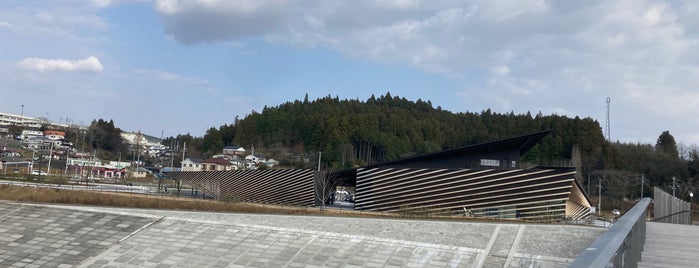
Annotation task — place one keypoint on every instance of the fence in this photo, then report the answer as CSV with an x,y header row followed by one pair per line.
x,y
670,209
622,244
274,186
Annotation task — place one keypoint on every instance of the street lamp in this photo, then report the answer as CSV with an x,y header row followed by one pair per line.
x,y
691,198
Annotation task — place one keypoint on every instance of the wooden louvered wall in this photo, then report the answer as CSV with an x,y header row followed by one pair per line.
x,y
275,186
530,193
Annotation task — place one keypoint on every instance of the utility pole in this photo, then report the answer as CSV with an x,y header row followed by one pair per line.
x,y
119,166
642,179
172,156
588,184
319,156
599,196
48,171
674,187
184,150
607,130
21,118
30,168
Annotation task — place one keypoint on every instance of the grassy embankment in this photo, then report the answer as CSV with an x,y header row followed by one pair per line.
x,y
127,200
64,196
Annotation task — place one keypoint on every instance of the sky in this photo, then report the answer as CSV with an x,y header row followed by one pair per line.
x,y
168,67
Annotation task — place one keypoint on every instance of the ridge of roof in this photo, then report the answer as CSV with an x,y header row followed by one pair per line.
x,y
219,161
527,142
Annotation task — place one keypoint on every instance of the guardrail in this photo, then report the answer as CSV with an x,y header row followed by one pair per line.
x,y
690,212
670,209
622,244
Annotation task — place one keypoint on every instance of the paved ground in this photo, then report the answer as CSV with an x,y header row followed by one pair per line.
x,y
67,236
670,245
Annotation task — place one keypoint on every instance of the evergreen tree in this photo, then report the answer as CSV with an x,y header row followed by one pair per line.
x,y
666,144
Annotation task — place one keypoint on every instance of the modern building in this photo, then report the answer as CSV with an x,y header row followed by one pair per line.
x,y
481,180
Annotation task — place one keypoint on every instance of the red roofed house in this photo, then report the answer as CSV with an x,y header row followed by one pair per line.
x,y
216,164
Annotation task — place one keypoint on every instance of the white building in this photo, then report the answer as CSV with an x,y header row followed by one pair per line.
x,y
7,120
256,158
138,138
191,164
26,122
234,150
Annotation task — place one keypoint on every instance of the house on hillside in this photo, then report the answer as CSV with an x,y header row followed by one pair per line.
x,y
140,139
256,158
9,153
41,142
28,133
192,164
233,150
212,164
270,162
55,134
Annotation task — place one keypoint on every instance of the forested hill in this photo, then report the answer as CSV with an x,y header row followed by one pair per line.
x,y
351,132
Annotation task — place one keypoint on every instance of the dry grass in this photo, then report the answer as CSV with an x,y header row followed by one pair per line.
x,y
63,196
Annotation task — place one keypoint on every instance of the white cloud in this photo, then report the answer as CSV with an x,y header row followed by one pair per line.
x,y
558,56
554,56
89,64
54,22
172,78
220,20
501,70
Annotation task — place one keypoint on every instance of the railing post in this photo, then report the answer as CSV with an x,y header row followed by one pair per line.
x,y
621,245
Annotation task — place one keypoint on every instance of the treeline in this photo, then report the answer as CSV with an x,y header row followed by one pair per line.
x,y
353,132
655,164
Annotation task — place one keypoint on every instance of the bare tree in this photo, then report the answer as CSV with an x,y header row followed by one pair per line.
x,y
326,182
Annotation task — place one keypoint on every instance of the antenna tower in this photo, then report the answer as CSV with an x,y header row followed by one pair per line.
x,y
607,131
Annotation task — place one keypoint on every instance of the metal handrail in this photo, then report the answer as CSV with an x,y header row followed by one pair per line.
x,y
622,244
673,214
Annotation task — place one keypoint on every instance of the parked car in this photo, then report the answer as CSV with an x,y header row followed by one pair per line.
x,y
616,212
39,172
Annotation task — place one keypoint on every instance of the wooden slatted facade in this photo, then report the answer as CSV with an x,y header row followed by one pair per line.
x,y
483,180
517,193
275,186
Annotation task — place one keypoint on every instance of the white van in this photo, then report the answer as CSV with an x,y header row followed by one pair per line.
x,y
39,172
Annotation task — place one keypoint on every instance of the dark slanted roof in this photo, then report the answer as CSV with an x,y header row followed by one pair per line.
x,y
219,161
195,160
522,143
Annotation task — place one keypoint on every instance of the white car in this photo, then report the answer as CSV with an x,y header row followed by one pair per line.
x,y
39,172
616,212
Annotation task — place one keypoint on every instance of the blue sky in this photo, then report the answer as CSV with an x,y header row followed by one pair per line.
x,y
172,67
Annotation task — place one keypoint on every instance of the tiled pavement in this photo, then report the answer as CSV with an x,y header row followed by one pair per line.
x,y
670,245
66,236
50,237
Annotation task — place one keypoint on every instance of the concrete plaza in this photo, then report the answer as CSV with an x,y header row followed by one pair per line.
x,y
38,235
